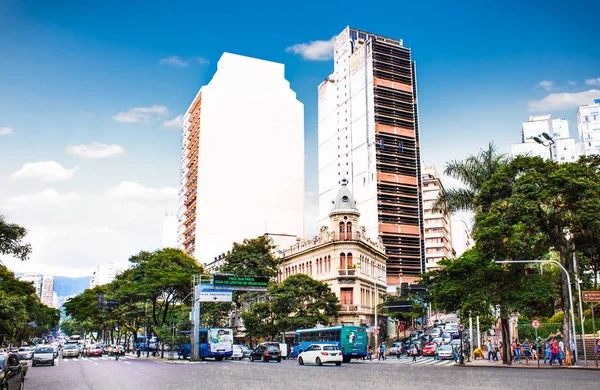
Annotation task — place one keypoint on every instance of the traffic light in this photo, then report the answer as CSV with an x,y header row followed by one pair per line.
x,y
418,290
100,301
404,289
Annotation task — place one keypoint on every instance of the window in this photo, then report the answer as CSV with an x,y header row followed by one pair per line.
x,y
346,296
342,261
349,260
349,230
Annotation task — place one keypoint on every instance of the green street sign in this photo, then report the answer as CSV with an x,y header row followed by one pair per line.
x,y
236,282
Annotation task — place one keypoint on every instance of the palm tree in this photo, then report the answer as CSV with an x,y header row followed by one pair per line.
x,y
472,172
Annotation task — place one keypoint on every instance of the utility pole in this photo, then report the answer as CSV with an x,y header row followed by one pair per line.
x,y
578,283
195,352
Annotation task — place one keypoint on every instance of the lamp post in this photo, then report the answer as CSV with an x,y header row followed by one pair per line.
x,y
568,282
376,311
550,140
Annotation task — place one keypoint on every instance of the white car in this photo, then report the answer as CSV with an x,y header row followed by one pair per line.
x,y
238,352
43,354
436,332
445,352
394,348
70,350
320,354
26,352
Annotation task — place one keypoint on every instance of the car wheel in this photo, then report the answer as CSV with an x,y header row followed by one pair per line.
x,y
318,361
264,359
278,360
251,358
52,362
338,363
300,361
32,364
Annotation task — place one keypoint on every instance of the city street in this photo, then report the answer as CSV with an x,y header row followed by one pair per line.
x,y
147,374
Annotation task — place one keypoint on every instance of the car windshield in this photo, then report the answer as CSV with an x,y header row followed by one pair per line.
x,y
272,348
445,347
2,359
44,350
24,349
330,348
69,346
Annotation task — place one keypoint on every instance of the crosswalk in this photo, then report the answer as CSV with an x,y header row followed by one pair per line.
x,y
95,360
421,360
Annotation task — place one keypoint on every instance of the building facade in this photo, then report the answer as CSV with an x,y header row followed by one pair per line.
x,y
344,257
48,291
35,279
105,274
462,240
588,126
243,144
437,224
369,134
561,148
169,232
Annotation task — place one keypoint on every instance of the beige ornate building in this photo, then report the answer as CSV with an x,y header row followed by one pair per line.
x,y
346,259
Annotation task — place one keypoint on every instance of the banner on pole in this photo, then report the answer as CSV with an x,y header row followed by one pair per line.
x,y
216,296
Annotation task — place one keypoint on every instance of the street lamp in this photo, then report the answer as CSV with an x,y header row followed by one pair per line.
x,y
376,310
541,141
568,282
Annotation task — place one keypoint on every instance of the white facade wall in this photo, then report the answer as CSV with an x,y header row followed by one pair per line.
x,y
251,157
461,236
347,133
105,274
564,149
588,126
48,290
169,233
35,280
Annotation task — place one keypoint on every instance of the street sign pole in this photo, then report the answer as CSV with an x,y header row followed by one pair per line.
x,y
536,324
594,330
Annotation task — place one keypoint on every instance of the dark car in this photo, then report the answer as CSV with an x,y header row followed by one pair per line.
x,y
265,352
11,372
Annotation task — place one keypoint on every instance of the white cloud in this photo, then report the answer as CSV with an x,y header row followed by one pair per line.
x,y
174,123
572,83
314,50
47,197
175,61
95,150
128,190
201,60
595,81
563,101
546,84
45,171
141,114
6,130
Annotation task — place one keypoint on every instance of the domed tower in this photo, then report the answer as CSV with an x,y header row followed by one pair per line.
x,y
344,215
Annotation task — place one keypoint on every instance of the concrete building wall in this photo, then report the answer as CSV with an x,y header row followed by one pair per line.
x,y
35,279
169,232
461,236
48,290
250,159
588,126
562,148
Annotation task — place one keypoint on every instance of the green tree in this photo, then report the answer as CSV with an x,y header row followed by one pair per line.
x,y
298,302
473,172
532,206
11,240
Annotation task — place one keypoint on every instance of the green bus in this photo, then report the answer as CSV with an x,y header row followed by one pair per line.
x,y
351,340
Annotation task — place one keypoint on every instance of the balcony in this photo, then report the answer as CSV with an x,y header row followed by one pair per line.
x,y
346,307
346,272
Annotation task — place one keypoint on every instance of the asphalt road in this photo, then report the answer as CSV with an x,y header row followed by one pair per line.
x,y
142,374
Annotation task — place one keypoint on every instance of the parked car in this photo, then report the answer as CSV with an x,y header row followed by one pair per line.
x,y
11,372
70,350
445,352
320,354
43,354
265,352
23,363
238,352
436,332
26,352
429,349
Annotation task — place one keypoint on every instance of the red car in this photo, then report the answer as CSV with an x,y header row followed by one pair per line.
x,y
94,351
429,349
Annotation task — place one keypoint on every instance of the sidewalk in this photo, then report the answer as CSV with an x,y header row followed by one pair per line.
x,y
532,364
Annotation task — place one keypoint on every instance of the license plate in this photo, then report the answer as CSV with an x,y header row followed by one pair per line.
x,y
333,354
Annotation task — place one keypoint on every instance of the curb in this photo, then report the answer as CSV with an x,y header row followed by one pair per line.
x,y
532,367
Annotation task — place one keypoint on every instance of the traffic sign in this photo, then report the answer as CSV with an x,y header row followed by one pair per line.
x,y
461,327
535,324
215,296
376,331
591,296
245,283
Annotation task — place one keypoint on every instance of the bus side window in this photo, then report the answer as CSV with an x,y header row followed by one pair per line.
x,y
203,337
337,335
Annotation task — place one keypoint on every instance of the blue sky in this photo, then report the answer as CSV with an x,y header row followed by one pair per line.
x,y
69,68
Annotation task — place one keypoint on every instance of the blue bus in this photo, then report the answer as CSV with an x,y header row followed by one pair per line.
x,y
214,343
351,340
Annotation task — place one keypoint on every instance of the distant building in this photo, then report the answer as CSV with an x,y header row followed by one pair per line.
x,y
55,300
437,225
588,126
35,279
169,233
242,158
48,291
461,236
353,265
561,148
105,274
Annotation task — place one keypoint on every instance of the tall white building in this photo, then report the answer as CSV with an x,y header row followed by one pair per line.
x,y
437,224
35,279
588,125
562,148
462,240
105,274
48,290
169,233
242,159
369,134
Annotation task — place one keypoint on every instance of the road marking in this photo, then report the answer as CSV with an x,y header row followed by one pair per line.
x,y
127,362
95,363
103,358
76,359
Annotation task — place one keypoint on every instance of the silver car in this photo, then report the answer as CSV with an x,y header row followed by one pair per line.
x,y
43,354
445,352
26,352
70,350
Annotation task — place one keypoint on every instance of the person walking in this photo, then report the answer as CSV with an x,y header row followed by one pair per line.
x,y
437,352
384,350
517,351
117,351
490,348
380,353
369,353
526,350
414,352
555,353
398,351
548,354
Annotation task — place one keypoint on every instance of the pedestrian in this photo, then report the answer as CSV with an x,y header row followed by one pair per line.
x,y
518,351
495,351
398,351
138,351
527,350
437,352
414,352
548,354
556,352
117,352
490,347
598,349
384,350
369,353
